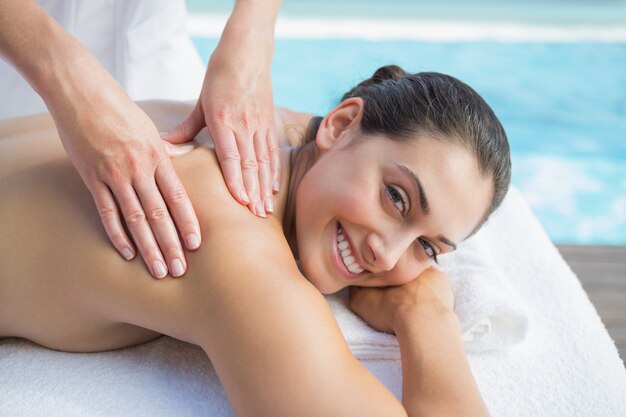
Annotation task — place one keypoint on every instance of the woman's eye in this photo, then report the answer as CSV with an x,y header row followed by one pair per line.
x,y
428,248
398,200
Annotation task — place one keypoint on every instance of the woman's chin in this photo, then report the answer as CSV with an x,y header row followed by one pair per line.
x,y
325,286
323,282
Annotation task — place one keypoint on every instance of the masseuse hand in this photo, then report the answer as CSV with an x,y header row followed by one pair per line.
x,y
236,106
113,144
118,152
381,307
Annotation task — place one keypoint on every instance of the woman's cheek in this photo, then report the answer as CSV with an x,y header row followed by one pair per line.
x,y
408,271
364,201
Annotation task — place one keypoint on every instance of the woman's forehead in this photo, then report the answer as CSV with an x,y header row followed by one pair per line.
x,y
446,176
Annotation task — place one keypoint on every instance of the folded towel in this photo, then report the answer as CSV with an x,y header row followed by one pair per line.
x,y
489,310
491,313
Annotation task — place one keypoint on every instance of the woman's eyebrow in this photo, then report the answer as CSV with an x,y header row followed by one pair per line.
x,y
424,205
447,242
419,190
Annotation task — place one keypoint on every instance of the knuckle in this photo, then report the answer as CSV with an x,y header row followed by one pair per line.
x,y
243,121
220,116
249,164
177,196
231,156
273,148
155,154
109,169
135,218
158,215
107,212
263,157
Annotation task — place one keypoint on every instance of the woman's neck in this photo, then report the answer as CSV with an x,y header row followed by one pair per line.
x,y
298,160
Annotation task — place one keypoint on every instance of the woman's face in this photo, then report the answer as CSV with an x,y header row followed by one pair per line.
x,y
376,212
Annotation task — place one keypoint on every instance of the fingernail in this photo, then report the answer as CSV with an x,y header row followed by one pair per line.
x,y
244,197
276,186
164,134
259,209
127,253
193,241
159,269
177,268
269,205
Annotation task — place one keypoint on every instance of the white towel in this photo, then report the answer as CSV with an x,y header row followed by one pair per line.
x,y
490,312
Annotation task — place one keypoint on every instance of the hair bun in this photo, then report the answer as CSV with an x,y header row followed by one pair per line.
x,y
388,72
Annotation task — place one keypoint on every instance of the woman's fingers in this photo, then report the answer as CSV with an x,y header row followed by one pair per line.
x,y
146,206
179,205
250,173
247,167
174,151
136,220
274,151
162,226
111,220
264,171
230,163
188,129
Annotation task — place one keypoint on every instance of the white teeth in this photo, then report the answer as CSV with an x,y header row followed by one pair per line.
x,y
344,249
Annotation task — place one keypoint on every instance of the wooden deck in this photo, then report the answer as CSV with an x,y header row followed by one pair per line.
x,y
602,272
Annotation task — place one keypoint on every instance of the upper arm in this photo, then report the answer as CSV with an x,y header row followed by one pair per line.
x,y
275,344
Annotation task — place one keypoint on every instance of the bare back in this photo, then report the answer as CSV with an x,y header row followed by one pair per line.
x,y
61,278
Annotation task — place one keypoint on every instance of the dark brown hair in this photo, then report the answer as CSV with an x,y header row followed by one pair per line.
x,y
404,106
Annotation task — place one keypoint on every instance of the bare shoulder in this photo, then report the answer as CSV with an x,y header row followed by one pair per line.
x,y
290,125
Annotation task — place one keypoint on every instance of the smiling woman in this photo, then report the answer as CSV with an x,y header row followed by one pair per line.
x,y
429,163
405,166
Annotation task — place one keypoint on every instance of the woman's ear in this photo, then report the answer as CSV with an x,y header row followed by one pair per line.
x,y
339,123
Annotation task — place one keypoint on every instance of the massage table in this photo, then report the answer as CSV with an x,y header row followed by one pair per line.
x,y
566,365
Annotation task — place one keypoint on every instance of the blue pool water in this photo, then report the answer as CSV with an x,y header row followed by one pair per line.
x,y
563,106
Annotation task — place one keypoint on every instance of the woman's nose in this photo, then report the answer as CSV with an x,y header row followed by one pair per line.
x,y
385,250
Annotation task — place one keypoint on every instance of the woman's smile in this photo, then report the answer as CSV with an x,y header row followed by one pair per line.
x,y
345,257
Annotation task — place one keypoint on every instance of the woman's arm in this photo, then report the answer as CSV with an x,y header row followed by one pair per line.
x,y
436,377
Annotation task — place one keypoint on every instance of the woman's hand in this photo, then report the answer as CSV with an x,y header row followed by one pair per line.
x,y
237,108
112,143
118,152
381,307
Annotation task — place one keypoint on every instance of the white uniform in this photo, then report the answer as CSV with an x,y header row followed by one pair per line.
x,y
142,43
